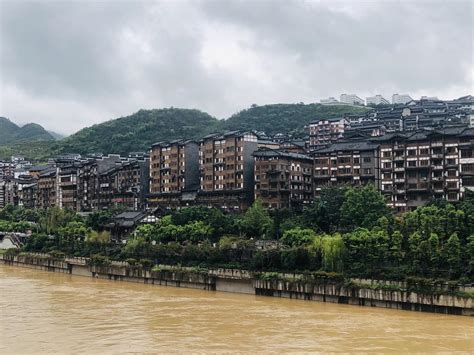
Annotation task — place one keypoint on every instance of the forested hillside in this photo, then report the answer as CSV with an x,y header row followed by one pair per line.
x,y
285,118
11,133
140,130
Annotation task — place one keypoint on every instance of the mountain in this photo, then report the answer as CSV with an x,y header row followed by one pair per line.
x,y
10,133
139,131
7,129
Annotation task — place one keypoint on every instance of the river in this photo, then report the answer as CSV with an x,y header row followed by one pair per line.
x,y
44,312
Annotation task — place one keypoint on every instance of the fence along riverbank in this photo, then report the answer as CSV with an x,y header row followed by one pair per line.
x,y
315,287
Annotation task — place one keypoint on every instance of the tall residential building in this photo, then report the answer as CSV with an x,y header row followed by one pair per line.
x,y
401,98
351,99
174,170
376,100
227,169
325,131
283,179
46,191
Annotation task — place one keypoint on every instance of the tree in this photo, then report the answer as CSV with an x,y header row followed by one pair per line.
x,y
256,222
333,251
325,213
98,237
297,237
73,230
363,207
452,252
196,232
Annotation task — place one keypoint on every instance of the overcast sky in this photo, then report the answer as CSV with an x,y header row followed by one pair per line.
x,y
67,65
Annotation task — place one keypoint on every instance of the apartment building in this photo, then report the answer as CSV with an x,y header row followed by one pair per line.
x,y
326,131
66,184
376,100
46,190
132,184
350,162
174,172
227,169
416,167
283,179
351,99
401,99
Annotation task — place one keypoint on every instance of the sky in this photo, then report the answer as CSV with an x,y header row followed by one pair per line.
x,y
71,64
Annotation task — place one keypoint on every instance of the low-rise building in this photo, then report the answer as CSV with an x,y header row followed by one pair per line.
x,y
326,131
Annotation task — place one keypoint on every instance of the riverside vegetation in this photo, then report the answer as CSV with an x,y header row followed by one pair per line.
x,y
346,233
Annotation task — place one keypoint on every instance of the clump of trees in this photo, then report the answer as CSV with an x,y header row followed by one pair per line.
x,y
346,230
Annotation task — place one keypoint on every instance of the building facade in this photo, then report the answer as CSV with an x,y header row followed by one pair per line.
x,y
326,131
352,163
283,179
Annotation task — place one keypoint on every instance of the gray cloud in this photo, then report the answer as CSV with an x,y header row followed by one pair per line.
x,y
67,65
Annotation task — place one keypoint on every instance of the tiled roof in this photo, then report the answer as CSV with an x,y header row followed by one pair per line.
x,y
265,152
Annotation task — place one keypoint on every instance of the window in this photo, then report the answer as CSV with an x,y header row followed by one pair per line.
x,y
356,160
386,154
467,153
411,152
424,151
467,168
412,163
368,171
367,159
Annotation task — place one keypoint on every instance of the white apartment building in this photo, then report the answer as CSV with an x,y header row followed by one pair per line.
x,y
376,100
401,98
351,99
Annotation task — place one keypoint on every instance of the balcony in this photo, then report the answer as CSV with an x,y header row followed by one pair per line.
x,y
437,156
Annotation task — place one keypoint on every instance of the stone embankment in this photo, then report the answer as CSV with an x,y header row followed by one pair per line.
x,y
356,292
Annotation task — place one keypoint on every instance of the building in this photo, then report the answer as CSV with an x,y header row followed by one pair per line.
x,y
174,170
227,169
376,100
66,183
329,101
351,99
419,166
7,169
401,99
325,131
351,162
283,179
46,190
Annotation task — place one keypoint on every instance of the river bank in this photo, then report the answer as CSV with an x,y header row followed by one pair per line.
x,y
323,288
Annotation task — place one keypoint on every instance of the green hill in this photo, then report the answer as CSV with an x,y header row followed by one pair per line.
x,y
285,118
139,131
10,133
